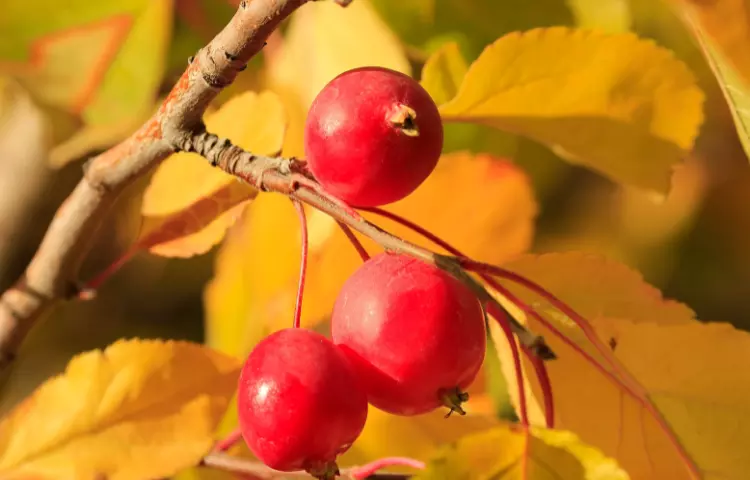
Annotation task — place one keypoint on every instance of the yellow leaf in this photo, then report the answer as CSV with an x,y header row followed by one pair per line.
x,y
189,204
665,395
417,437
697,376
255,270
509,452
601,100
255,283
319,45
723,32
444,72
139,409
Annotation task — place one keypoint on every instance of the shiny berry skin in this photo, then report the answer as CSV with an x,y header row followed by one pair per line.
x,y
372,136
415,334
300,404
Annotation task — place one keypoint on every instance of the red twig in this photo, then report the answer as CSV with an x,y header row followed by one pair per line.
x,y
415,228
229,441
303,262
92,286
252,469
366,471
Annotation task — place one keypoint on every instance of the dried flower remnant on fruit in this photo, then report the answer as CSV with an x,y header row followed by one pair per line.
x,y
405,118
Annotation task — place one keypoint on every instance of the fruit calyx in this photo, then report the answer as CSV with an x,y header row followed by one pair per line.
x,y
453,398
324,471
404,118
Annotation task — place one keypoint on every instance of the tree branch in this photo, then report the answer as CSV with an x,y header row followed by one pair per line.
x,y
52,273
178,126
286,176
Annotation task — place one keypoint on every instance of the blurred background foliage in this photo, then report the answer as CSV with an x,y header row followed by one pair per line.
x,y
691,244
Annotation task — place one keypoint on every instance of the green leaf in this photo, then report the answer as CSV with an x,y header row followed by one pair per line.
x,y
101,60
601,100
509,452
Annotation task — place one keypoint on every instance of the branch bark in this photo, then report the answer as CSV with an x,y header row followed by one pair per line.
x,y
52,273
285,176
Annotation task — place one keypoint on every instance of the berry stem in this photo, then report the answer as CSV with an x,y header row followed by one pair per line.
x,y
543,376
501,317
354,241
303,262
415,228
366,471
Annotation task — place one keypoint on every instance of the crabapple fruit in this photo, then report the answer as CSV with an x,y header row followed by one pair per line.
x,y
300,403
414,333
372,136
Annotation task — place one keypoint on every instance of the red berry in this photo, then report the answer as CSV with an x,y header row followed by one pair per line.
x,y
373,135
415,334
300,403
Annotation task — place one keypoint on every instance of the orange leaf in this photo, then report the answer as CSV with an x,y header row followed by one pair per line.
x,y
189,204
727,23
663,394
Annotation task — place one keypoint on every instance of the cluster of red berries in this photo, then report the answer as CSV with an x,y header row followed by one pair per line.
x,y
406,337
